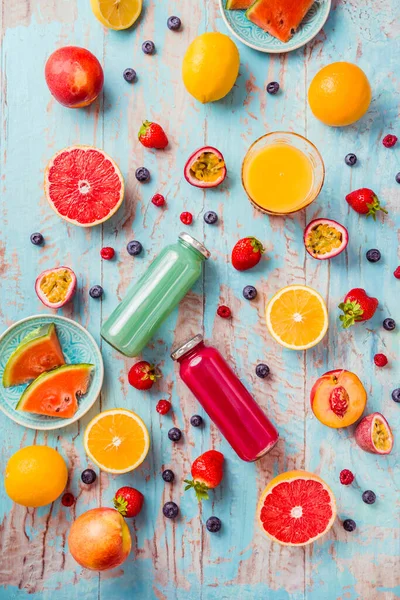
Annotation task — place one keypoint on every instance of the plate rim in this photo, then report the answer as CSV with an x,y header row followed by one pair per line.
x,y
76,417
273,51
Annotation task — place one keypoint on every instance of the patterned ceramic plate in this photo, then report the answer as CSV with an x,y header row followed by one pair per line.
x,y
77,345
256,38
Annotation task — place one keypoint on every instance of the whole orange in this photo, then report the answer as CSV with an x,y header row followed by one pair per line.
x,y
339,94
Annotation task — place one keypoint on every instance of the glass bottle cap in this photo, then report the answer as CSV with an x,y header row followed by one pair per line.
x,y
186,347
195,244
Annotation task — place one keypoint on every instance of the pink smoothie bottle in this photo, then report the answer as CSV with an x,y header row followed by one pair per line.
x,y
225,399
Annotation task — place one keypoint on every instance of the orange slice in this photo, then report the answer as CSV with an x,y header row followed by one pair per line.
x,y
117,440
297,317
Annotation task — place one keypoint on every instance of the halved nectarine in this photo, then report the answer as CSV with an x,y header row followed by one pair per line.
x,y
338,398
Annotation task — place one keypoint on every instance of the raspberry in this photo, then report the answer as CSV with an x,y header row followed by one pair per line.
x,y
163,407
107,253
186,218
67,499
396,273
389,140
224,312
158,200
346,477
380,360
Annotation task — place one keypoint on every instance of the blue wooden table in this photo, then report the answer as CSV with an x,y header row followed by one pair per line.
x,y
181,560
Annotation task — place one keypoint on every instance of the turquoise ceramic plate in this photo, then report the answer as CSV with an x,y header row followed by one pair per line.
x,y
77,345
256,38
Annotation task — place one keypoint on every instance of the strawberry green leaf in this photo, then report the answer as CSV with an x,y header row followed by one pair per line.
x,y
352,312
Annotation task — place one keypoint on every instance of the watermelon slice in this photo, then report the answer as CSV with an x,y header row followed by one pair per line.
x,y
38,352
280,18
56,393
238,4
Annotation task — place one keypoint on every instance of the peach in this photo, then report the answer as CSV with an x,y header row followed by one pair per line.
x,y
373,434
338,398
74,76
99,539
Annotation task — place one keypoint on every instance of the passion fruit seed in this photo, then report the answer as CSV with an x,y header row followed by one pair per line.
x,y
207,167
380,436
323,238
55,285
339,401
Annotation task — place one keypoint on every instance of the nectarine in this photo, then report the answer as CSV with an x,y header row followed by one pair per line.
x,y
338,398
74,76
99,539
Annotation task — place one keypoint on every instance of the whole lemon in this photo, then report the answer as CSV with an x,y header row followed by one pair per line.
x,y
339,94
210,67
35,476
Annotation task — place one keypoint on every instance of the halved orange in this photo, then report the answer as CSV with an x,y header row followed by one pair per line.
x,y
297,317
117,440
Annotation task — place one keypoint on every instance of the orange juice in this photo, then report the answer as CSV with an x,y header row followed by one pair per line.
x,y
279,178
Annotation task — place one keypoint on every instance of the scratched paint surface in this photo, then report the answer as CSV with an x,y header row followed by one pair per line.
x,y
181,560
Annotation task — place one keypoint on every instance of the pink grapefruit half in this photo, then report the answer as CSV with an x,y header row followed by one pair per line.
x,y
83,185
296,508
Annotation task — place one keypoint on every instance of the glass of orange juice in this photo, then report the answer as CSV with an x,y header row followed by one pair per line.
x,y
282,173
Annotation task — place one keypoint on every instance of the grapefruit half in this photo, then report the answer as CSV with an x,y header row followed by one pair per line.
x,y
296,508
83,185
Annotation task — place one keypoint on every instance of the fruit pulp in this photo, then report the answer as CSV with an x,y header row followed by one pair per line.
x,y
381,436
227,402
279,178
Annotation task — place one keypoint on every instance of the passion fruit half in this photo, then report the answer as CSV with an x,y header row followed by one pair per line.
x,y
56,287
205,168
373,434
324,238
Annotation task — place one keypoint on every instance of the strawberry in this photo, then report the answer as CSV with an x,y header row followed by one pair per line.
x,y
143,375
357,306
246,253
365,202
152,135
128,501
207,473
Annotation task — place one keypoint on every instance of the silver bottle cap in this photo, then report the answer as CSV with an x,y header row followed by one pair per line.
x,y
195,244
189,345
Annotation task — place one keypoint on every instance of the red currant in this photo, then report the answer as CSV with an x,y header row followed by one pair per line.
x,y
380,360
346,477
107,253
396,273
186,218
224,312
158,200
389,140
163,407
68,499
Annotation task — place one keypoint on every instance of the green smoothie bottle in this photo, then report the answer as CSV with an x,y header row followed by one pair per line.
x,y
150,300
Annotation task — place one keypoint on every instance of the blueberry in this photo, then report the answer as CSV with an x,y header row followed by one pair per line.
x,y
369,497
168,475
389,324
96,291
249,292
196,421
174,434
373,255
134,248
398,177
129,75
210,217
350,159
349,525
396,395
170,510
142,174
88,476
262,370
273,87
213,524
174,23
37,239
148,47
